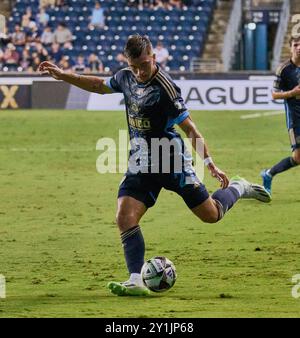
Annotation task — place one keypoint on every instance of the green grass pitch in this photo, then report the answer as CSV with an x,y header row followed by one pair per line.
x,y
59,244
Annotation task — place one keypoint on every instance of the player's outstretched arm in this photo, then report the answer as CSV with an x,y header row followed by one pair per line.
x,y
286,95
89,83
192,132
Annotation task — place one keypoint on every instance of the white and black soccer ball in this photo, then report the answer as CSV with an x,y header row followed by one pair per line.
x,y
159,274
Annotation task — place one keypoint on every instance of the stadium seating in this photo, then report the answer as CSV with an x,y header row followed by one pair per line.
x,y
182,31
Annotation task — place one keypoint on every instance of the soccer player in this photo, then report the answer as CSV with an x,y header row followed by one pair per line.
x,y
287,87
153,106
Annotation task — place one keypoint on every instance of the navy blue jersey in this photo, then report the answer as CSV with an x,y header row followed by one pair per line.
x,y
152,108
287,78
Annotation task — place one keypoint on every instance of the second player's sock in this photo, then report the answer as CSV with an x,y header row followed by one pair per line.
x,y
283,165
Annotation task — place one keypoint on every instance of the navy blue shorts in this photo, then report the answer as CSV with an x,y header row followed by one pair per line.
x,y
294,134
146,187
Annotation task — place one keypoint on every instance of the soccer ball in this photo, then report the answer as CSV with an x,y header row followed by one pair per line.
x,y
159,274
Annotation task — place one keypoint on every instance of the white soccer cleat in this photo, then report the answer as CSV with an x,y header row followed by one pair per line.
x,y
250,190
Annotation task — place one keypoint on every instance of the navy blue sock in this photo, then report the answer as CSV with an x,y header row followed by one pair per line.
x,y
134,249
225,199
283,165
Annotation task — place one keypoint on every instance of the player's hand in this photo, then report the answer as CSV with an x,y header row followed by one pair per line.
x,y
219,175
295,91
51,69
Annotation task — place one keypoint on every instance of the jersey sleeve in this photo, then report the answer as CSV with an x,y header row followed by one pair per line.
x,y
115,83
173,102
279,82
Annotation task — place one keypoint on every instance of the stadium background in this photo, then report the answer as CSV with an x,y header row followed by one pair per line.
x,y
58,240
204,39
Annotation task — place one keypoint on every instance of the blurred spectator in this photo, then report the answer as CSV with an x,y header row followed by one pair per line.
x,y
62,34
158,4
161,54
65,64
43,17
1,58
18,37
47,37
142,3
95,65
97,18
36,61
41,51
136,3
46,3
27,21
11,57
26,59
61,3
33,35
4,38
80,65
56,52
121,62
68,45
176,3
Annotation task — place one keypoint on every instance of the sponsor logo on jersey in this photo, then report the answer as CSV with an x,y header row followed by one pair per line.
x,y
139,123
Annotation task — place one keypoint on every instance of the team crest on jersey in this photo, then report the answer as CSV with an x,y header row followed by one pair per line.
x,y
178,104
134,107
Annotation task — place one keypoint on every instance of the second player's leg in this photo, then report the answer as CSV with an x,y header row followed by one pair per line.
x,y
285,164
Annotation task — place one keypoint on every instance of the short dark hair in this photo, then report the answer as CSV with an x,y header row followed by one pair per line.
x,y
294,38
136,45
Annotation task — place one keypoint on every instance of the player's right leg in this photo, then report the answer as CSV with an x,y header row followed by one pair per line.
x,y
214,208
211,209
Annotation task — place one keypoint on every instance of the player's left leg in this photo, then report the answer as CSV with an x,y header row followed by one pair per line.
x,y
129,213
221,201
137,193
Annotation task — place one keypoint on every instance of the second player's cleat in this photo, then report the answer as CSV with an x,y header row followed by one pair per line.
x,y
251,190
127,289
267,180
